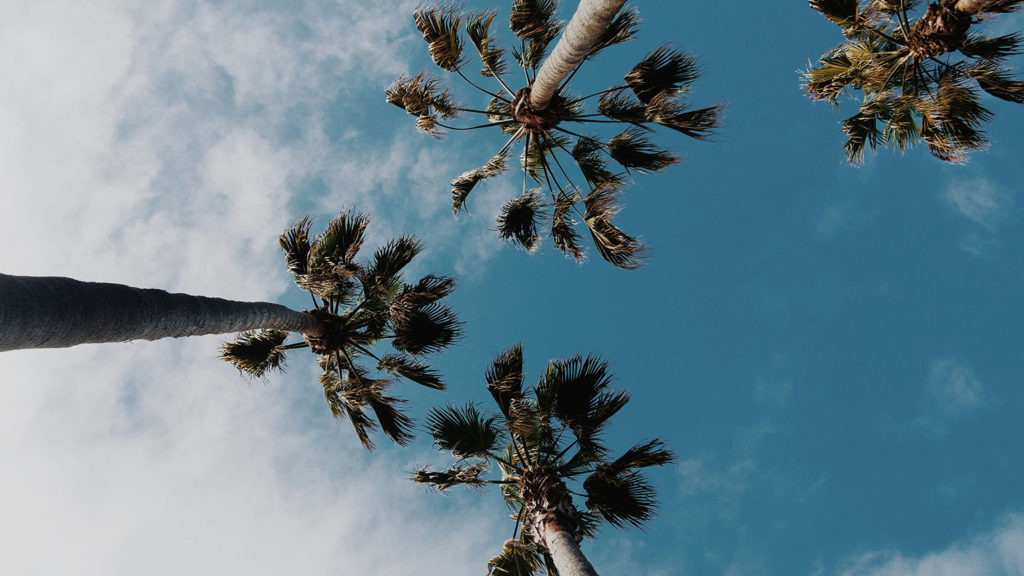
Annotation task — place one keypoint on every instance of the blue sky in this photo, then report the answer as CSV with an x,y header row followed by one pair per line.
x,y
832,351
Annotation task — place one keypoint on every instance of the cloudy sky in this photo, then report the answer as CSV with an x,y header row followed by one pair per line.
x,y
834,352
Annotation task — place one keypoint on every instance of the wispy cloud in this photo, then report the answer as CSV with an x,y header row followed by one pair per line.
x,y
952,391
999,552
985,205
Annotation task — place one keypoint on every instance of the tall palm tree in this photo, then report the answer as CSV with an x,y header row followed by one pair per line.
x,y
543,441
553,123
918,75
355,306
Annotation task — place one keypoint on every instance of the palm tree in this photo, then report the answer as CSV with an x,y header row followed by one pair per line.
x,y
355,306
918,76
543,441
553,123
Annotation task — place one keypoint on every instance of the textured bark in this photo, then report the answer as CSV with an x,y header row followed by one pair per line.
x,y
565,550
52,312
943,28
591,19
969,6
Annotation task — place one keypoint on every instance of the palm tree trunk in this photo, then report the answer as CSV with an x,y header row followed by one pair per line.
x,y
969,6
52,312
565,550
591,19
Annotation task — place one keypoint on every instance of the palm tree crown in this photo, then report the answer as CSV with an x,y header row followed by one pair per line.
x,y
544,440
358,305
652,94
919,77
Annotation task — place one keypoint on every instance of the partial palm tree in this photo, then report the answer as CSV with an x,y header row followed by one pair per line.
x,y
571,168
546,444
355,307
917,72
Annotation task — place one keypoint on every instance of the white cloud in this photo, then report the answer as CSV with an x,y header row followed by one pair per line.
x,y
999,552
142,143
979,201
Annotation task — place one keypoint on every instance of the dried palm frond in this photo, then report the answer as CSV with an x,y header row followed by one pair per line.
x,y
622,29
295,242
455,476
516,559
672,113
534,21
478,29
463,185
663,70
563,231
634,151
256,352
995,79
517,221
411,368
440,28
612,244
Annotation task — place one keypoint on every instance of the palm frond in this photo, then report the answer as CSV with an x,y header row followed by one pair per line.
x,y
517,222
634,151
391,258
295,243
988,48
336,247
412,369
621,498
663,70
651,453
901,129
517,558
563,230
540,149
672,113
534,22
576,392
393,422
338,400
427,290
427,329
463,430
622,29
620,105
440,28
1001,6
996,80
587,154
612,244
841,12
421,95
256,352
889,7
504,378
463,185
468,475
478,27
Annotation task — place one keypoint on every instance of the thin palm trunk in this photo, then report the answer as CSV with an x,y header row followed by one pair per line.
x,y
591,19
565,551
969,6
53,312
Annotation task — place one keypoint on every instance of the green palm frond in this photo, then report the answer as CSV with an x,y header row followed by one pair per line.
x,y
440,28
427,329
563,230
622,29
392,420
539,152
463,431
421,95
504,378
612,244
295,243
478,27
336,247
463,185
516,559
621,498
663,70
996,80
517,221
426,291
828,80
256,352
901,129
467,475
340,398
391,258
622,106
634,151
411,368
673,113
